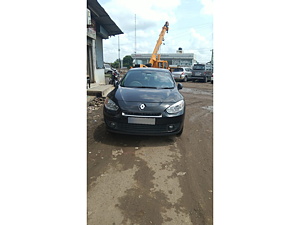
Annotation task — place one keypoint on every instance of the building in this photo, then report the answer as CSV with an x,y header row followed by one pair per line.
x,y
179,58
99,26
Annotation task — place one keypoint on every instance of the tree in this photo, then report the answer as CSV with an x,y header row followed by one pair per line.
x,y
115,64
127,61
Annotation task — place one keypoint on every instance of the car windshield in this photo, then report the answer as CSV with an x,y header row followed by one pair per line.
x,y
148,79
178,70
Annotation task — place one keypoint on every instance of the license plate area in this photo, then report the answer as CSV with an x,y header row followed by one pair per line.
x,y
137,120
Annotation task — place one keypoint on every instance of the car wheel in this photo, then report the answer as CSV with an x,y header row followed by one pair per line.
x,y
185,79
205,80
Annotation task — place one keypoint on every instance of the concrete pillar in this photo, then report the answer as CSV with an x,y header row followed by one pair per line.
x,y
99,70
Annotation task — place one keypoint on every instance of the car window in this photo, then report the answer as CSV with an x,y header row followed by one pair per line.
x,y
178,70
199,67
148,79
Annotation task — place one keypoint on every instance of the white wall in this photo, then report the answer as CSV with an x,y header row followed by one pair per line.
x,y
99,76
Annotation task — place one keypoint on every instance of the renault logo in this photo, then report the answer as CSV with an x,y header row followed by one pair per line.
x,y
142,106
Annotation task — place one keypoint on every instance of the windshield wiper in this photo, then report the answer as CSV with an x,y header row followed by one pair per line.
x,y
145,87
166,87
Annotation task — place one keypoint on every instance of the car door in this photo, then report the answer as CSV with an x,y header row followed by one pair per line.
x,y
189,73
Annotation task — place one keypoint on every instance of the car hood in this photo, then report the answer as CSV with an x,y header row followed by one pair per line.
x,y
146,95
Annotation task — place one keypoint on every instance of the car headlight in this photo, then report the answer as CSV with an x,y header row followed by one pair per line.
x,y
109,104
175,108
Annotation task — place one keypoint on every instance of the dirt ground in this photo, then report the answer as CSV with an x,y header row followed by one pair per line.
x,y
153,180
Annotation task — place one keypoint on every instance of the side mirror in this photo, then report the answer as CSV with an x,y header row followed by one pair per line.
x,y
179,86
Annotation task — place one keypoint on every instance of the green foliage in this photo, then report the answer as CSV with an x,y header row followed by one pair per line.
x,y
127,61
115,64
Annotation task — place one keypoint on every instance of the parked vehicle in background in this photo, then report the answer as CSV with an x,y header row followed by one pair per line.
x,y
182,73
115,77
200,73
172,67
107,69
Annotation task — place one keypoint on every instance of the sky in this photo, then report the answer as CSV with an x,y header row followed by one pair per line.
x,y
190,27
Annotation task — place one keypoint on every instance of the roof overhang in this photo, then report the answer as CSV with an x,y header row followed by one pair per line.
x,y
105,23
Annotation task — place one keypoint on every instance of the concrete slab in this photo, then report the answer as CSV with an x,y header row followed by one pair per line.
x,y
90,98
99,90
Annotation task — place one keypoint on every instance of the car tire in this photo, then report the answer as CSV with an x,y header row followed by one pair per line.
x,y
185,79
205,80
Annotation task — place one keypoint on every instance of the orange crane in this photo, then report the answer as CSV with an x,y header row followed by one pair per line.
x,y
155,57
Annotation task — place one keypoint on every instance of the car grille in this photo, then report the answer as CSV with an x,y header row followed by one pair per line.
x,y
142,128
140,114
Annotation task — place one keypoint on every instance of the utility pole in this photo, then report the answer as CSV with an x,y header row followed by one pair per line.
x,y
119,52
135,38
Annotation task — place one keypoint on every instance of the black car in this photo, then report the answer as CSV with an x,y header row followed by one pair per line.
x,y
145,102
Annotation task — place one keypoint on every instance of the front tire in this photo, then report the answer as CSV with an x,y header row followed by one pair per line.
x,y
185,79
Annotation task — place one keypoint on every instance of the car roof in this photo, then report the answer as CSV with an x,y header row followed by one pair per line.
x,y
182,67
149,68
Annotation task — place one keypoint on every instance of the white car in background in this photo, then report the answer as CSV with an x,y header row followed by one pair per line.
x,y
182,73
107,69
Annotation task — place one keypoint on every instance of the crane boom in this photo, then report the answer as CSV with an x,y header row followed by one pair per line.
x,y
154,57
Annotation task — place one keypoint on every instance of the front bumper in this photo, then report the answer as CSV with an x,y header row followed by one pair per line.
x,y
161,126
197,77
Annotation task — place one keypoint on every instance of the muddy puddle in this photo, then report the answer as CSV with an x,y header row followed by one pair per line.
x,y
209,108
196,91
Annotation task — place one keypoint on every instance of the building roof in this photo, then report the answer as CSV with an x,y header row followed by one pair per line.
x,y
166,55
101,16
